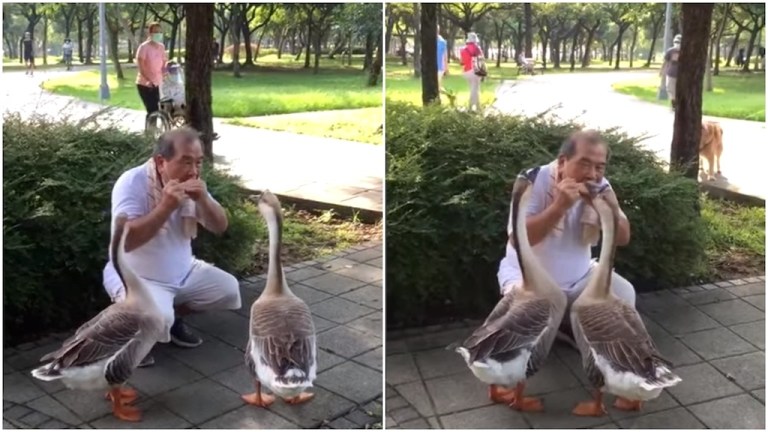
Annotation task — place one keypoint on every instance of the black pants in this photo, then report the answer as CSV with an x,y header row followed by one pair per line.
x,y
150,96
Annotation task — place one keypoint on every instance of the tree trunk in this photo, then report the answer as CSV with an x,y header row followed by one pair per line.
x,y
247,43
527,11
80,51
751,46
654,37
308,46
416,42
618,47
708,74
45,40
197,71
318,40
370,45
378,62
113,32
172,40
430,93
734,46
258,46
89,39
632,47
573,50
588,45
684,156
235,31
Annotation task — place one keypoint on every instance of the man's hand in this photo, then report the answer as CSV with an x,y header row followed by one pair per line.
x,y
195,189
568,192
173,194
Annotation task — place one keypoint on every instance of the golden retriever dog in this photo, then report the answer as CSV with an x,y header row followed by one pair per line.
x,y
711,146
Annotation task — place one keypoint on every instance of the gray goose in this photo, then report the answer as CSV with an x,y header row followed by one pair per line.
x,y
617,352
104,352
515,339
281,353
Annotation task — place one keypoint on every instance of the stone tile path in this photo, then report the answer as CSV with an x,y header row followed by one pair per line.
x,y
714,334
201,387
339,173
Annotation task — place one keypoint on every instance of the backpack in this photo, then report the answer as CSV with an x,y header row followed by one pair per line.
x,y
478,62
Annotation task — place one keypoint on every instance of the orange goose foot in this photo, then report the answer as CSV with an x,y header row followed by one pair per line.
x,y
627,404
300,399
593,408
127,395
522,403
120,409
258,398
500,395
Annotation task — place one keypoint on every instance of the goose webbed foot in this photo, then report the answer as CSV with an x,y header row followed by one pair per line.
x,y
120,407
593,408
627,404
258,398
127,395
303,397
500,395
523,403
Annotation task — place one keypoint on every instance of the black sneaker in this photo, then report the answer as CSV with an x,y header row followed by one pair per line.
x,y
147,361
182,336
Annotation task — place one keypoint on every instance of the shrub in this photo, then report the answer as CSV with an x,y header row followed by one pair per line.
x,y
57,186
449,180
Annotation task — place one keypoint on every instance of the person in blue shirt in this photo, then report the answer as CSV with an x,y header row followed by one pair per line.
x,y
442,59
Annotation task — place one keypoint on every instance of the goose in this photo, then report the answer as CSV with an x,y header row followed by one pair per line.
x,y
515,339
281,352
104,352
617,352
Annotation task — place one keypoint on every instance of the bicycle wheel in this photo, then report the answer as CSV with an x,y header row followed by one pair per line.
x,y
157,124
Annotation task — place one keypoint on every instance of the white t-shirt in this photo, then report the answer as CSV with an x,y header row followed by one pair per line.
x,y
167,257
565,257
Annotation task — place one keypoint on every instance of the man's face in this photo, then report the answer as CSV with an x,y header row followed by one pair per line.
x,y
185,164
587,165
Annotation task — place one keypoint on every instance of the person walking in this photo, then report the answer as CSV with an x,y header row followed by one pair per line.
x,y
442,59
66,52
151,59
669,68
468,54
29,53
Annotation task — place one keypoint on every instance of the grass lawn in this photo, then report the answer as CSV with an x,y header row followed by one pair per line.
x,y
308,236
736,244
404,87
260,91
361,125
735,95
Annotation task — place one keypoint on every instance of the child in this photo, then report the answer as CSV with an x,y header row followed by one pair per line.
x,y
173,86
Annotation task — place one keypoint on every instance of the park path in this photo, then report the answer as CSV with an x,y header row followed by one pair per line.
x,y
328,171
713,334
590,98
344,293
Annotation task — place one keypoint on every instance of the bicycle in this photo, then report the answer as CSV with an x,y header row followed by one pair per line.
x,y
171,111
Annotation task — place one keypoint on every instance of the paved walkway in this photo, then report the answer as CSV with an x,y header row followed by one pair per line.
x,y
330,171
201,387
590,98
714,334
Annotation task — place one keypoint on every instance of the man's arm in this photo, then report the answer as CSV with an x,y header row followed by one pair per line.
x,y
541,224
213,215
622,230
145,227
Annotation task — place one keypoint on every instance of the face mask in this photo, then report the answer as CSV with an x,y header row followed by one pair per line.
x,y
157,37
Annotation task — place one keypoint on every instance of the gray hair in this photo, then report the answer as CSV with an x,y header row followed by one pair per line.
x,y
472,37
590,137
165,146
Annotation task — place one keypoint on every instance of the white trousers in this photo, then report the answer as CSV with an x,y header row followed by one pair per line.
x,y
205,288
619,286
671,87
474,89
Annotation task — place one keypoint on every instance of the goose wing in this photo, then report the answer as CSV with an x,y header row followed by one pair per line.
x,y
284,333
614,331
517,322
117,333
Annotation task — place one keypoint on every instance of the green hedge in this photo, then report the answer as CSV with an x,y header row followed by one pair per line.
x,y
57,185
449,180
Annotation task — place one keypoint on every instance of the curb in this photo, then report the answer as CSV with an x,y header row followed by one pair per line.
x,y
729,193
348,212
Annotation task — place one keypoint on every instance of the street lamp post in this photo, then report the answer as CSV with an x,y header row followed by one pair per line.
x,y
104,89
662,95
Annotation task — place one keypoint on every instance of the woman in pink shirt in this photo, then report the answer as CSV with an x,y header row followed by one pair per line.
x,y
150,60
471,50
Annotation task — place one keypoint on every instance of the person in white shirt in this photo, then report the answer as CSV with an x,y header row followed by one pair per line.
x,y
562,228
173,87
165,200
